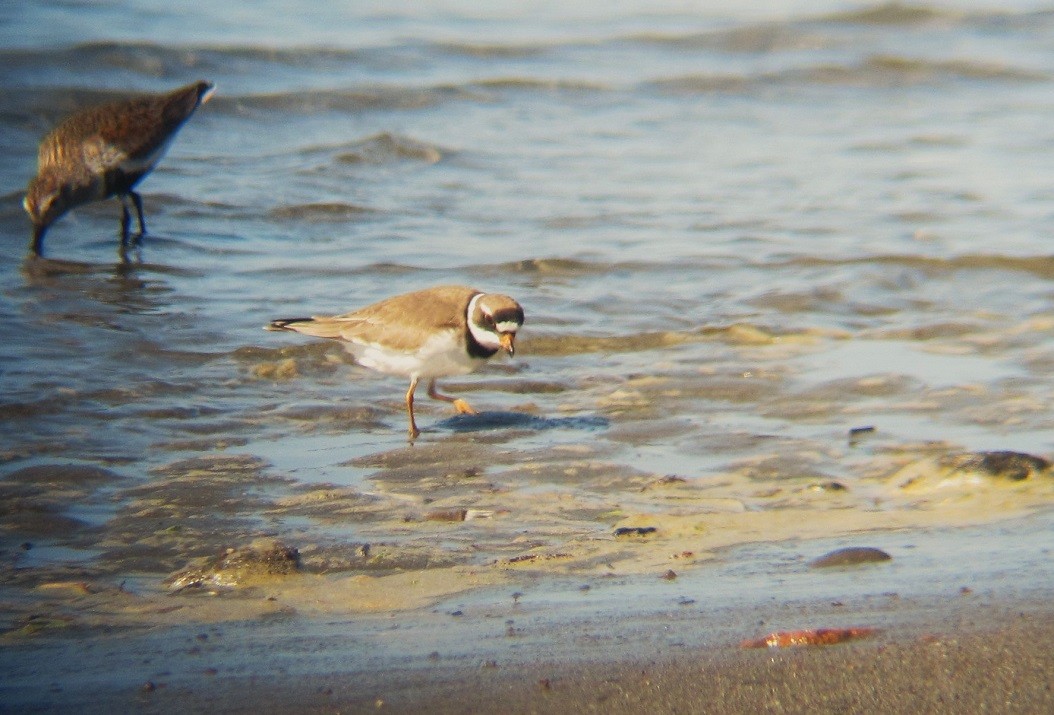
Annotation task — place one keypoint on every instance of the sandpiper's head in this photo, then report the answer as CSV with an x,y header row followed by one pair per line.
x,y
44,201
493,320
51,194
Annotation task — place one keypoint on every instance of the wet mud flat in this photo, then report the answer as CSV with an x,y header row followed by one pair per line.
x,y
973,639
222,583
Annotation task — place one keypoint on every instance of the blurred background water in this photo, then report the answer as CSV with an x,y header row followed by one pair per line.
x,y
738,231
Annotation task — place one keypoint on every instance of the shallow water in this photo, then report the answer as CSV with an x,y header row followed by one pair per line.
x,y
737,234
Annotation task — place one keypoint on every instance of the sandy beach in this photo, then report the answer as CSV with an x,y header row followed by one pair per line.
x,y
994,658
986,659
974,638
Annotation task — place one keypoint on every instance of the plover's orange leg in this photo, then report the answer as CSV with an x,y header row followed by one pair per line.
x,y
414,432
462,407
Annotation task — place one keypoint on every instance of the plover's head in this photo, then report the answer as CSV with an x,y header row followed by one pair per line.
x,y
493,320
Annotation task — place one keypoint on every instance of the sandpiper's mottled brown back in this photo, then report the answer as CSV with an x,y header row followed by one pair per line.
x,y
103,151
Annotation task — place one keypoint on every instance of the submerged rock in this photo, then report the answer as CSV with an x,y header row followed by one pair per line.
x,y
249,565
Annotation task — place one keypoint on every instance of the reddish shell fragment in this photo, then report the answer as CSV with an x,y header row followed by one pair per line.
x,y
810,636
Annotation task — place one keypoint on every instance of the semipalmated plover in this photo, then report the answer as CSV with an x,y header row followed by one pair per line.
x,y
427,334
105,151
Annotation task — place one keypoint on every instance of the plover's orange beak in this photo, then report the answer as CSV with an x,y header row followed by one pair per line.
x,y
506,343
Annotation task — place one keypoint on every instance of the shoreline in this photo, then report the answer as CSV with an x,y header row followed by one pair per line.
x,y
963,634
977,655
1003,665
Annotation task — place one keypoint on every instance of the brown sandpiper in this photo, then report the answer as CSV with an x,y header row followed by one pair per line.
x,y
105,151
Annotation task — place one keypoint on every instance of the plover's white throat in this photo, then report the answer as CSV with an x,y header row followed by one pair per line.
x,y
105,151
427,334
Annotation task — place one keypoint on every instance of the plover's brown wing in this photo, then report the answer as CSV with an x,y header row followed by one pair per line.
x,y
408,321
361,330
403,322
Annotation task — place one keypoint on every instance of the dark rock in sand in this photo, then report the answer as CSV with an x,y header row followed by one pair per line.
x,y
238,567
624,531
858,433
850,556
1003,464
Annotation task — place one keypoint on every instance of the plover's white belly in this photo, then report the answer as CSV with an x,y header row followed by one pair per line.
x,y
442,355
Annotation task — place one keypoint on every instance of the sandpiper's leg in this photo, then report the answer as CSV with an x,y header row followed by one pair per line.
x,y
37,246
462,407
126,220
414,432
122,253
138,201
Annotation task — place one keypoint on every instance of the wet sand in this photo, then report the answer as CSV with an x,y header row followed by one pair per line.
x,y
987,659
987,656
445,590
970,636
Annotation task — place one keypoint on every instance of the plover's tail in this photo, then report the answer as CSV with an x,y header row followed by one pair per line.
x,y
284,323
319,326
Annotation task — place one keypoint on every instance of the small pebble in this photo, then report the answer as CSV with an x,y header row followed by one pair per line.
x,y
446,515
635,530
858,433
